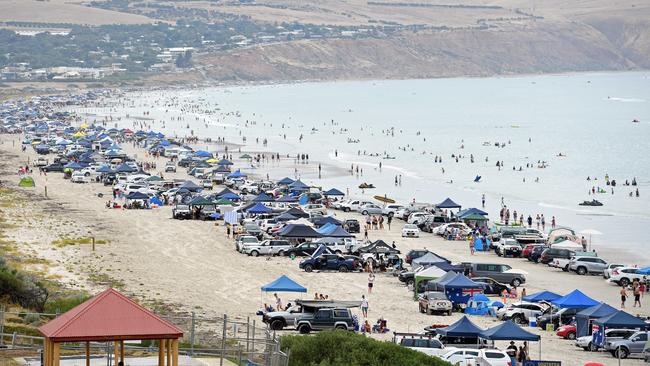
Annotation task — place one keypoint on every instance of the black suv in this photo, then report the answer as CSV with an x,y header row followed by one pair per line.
x,y
326,319
557,317
415,254
352,226
536,253
552,253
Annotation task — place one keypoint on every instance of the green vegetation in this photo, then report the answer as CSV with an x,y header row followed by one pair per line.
x,y
22,288
341,348
65,241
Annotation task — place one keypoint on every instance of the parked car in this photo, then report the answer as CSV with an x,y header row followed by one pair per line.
x,y
492,287
302,250
206,183
432,302
243,240
414,254
551,253
352,226
521,312
610,334
557,317
335,262
353,205
446,229
170,167
410,230
587,265
508,248
623,276
607,272
536,253
370,209
417,217
79,177
181,212
253,229
336,245
469,357
54,167
389,210
528,249
315,208
566,331
432,222
500,272
278,320
325,319
267,247
623,348
422,343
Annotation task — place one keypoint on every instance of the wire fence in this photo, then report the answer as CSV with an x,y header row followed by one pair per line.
x,y
240,341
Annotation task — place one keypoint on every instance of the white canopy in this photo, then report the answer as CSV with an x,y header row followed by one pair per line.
x,y
567,244
431,272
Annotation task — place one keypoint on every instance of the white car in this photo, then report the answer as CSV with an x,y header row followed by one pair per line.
x,y
370,209
610,334
79,177
447,228
607,273
624,276
391,210
267,247
410,230
521,312
417,217
315,208
470,356
428,346
353,205
338,205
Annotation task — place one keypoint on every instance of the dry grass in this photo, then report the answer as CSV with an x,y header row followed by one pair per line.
x,y
59,11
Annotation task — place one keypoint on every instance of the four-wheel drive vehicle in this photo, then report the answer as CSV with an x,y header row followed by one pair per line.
x,y
410,230
267,247
424,344
432,222
244,240
508,248
432,302
536,253
521,312
622,348
302,250
415,254
417,217
315,208
352,226
499,272
469,357
79,177
492,287
40,162
610,334
353,205
54,167
181,212
557,317
370,209
334,262
170,167
587,265
389,210
325,319
253,229
607,272
625,275
338,245
549,254
278,320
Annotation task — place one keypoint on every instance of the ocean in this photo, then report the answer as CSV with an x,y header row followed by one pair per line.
x,y
575,126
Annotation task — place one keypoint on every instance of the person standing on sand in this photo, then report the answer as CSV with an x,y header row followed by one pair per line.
x,y
390,219
483,200
552,222
523,294
371,282
543,223
623,297
636,290
364,306
471,246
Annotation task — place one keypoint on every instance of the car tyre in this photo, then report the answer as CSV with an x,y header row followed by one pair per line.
x,y
304,329
309,268
277,324
340,327
364,213
592,347
449,312
281,253
255,253
571,336
624,282
410,282
582,271
346,209
621,353
343,269
518,319
516,282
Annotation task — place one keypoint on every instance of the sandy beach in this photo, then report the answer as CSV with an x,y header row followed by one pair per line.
x,y
192,265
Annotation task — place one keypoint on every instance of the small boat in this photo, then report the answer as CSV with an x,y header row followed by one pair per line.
x,y
389,157
366,186
591,203
384,199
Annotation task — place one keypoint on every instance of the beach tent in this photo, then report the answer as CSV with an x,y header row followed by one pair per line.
x,y
259,208
203,154
567,244
471,211
26,182
508,331
236,174
190,186
224,162
428,274
461,328
323,220
447,267
298,186
221,169
297,213
586,316
105,169
380,247
339,232
229,196
326,229
542,296
283,284
460,288
263,197
333,192
448,203
200,201
137,196
285,181
298,231
155,201
428,260
575,299
287,199
124,168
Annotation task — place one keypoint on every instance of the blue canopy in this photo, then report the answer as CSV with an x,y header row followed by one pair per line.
x,y
123,168
155,201
323,220
575,299
459,289
287,199
263,197
191,186
621,319
236,174
224,162
298,186
333,192
259,208
137,196
285,217
462,328
230,196
326,229
448,203
285,181
542,296
508,331
222,169
72,165
203,154
583,317
283,284
644,271
105,169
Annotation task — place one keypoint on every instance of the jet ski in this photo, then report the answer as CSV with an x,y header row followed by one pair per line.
x,y
591,203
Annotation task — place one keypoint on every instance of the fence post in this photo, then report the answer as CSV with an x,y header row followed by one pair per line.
x,y
253,340
192,334
267,350
223,339
248,333
2,324
239,353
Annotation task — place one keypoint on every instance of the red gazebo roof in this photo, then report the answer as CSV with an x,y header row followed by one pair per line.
x,y
109,316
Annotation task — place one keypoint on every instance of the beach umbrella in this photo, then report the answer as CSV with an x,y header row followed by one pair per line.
x,y
203,153
590,232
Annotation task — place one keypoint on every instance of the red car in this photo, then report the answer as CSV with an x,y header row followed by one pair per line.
x,y
528,249
567,332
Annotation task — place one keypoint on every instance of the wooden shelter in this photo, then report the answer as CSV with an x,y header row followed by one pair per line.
x,y
110,317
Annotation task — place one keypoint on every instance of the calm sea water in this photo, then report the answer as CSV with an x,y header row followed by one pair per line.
x,y
585,117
